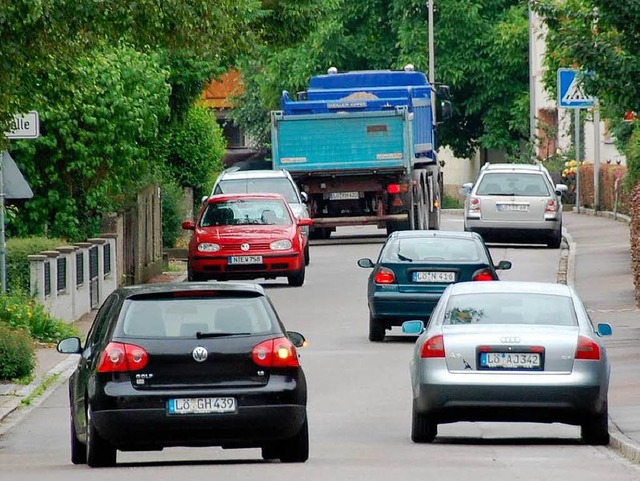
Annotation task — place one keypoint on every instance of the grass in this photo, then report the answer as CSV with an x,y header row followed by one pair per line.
x,y
44,385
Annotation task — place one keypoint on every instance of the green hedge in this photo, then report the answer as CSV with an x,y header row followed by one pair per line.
x,y
18,266
17,353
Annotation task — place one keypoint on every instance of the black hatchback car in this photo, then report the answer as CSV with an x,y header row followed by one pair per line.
x,y
187,364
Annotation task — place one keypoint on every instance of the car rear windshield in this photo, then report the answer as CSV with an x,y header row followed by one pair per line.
x,y
514,183
510,308
186,316
433,249
276,185
246,211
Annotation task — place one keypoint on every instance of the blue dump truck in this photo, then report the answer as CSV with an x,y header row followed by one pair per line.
x,y
362,146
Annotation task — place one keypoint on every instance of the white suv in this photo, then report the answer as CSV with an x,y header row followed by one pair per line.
x,y
515,202
233,181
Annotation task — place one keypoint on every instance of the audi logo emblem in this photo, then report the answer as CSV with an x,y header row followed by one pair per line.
x,y
200,354
510,340
244,247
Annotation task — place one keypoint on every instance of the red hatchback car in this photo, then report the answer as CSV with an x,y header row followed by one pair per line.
x,y
246,236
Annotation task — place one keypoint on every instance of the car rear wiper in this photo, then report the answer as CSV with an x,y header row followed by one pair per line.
x,y
404,258
203,335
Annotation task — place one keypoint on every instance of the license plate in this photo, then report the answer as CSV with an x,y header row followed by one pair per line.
x,y
201,405
434,276
510,360
512,207
344,195
245,260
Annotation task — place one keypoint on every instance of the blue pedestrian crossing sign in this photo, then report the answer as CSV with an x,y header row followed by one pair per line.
x,y
571,93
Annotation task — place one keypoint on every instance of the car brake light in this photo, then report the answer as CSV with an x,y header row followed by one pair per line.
x,y
474,204
552,207
393,188
434,347
587,349
384,276
482,275
120,357
277,352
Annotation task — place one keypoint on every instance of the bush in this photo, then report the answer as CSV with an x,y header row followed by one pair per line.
x,y
17,353
19,311
173,213
18,266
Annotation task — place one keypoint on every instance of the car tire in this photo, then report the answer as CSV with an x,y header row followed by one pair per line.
x,y
297,278
423,430
100,453
269,452
78,449
555,240
296,448
376,330
307,258
194,276
595,430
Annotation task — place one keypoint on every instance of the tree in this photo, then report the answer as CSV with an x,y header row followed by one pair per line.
x,y
481,52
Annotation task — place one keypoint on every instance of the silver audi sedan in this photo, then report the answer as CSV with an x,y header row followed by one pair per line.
x,y
509,351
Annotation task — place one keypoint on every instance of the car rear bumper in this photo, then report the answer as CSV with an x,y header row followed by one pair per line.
x,y
396,307
504,396
250,426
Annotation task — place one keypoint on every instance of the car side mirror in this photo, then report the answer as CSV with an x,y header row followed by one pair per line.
x,y
304,196
305,221
188,225
70,345
561,188
366,263
604,329
204,199
466,188
297,339
413,327
503,265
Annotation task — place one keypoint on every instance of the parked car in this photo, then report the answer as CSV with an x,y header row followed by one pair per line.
x,y
233,181
510,351
414,268
515,203
187,364
246,236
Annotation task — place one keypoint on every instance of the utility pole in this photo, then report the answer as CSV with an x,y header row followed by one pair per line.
x,y
532,86
432,60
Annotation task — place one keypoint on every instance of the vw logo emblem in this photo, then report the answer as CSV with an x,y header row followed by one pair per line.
x,y
510,340
200,354
244,247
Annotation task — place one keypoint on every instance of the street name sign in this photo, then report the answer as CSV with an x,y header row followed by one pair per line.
x,y
571,93
24,126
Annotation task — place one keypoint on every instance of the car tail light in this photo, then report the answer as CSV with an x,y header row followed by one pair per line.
x,y
384,275
552,207
474,204
587,349
434,347
120,357
277,352
483,275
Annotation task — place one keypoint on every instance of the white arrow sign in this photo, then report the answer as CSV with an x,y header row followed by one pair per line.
x,y
24,126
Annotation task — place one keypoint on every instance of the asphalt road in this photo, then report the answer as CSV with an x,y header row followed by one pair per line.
x,y
359,403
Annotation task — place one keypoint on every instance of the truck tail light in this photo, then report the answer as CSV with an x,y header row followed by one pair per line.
x,y
384,275
587,349
397,188
121,357
434,347
279,352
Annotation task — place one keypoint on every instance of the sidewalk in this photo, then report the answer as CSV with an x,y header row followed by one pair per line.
x,y
596,262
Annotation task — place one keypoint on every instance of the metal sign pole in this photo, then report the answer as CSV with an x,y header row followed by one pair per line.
x,y
596,157
3,244
432,60
577,146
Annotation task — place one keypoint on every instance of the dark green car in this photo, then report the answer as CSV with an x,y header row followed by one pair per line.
x,y
413,270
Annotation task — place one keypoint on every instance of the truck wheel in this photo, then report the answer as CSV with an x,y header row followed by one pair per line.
x,y
376,330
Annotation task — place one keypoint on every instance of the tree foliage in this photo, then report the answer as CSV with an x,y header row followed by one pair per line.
x,y
480,47
601,37
100,124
